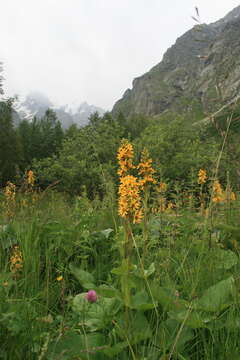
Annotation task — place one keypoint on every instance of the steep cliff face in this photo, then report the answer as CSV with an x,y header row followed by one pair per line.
x,y
198,73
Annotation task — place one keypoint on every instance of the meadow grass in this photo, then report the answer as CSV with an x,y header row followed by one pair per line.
x,y
166,281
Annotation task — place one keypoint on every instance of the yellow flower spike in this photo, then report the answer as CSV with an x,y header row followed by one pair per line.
x,y
129,202
138,216
59,278
16,260
10,191
125,157
202,176
170,205
145,169
30,178
217,187
162,187
162,205
129,198
218,194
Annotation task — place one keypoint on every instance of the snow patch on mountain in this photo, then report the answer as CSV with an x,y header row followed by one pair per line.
x,y
36,104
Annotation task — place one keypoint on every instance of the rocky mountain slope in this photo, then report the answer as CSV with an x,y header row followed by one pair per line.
x,y
198,74
36,104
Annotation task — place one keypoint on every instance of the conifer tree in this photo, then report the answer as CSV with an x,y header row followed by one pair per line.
x,y
10,150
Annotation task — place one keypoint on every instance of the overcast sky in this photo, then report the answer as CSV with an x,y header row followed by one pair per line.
x,y
77,50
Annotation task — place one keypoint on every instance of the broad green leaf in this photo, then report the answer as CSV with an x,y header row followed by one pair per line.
x,y
217,297
168,298
108,291
168,331
96,315
141,328
123,269
115,349
141,301
85,278
194,319
137,330
224,259
72,345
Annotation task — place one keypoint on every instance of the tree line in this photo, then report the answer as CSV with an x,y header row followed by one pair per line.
x,y
84,159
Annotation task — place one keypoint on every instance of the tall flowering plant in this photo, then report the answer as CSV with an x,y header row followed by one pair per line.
x,y
129,203
129,209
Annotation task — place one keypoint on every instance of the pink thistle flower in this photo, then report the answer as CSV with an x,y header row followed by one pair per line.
x,y
91,296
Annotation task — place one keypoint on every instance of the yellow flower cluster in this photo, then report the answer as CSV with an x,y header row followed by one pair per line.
x,y
232,196
30,178
162,187
10,194
170,205
10,191
163,206
219,195
202,176
145,169
125,158
16,260
130,199
129,202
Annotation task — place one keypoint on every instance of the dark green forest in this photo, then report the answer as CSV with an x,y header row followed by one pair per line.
x,y
76,158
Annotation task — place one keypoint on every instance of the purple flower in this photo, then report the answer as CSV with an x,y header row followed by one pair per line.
x,y
91,296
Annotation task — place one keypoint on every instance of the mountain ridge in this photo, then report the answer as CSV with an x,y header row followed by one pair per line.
x,y
36,104
197,73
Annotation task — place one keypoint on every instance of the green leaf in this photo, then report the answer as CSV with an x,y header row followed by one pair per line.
x,y
137,330
108,291
85,278
141,301
193,319
217,297
225,259
72,345
116,349
107,232
141,328
123,269
146,273
168,298
168,332
96,315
